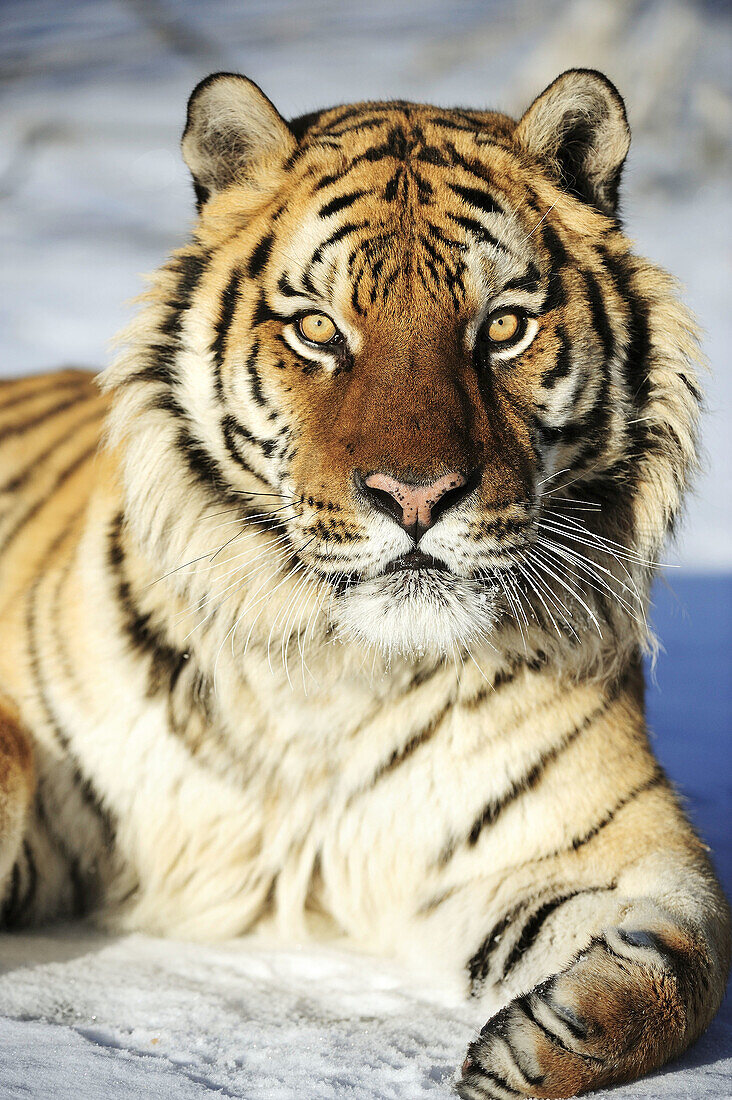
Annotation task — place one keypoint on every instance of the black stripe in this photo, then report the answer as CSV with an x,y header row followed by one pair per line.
x,y
450,242
398,756
80,782
436,255
478,230
165,660
637,359
39,391
264,312
19,479
524,1004
355,294
492,811
61,478
39,418
343,231
32,883
157,371
479,1076
599,314
479,964
286,288
255,381
533,1081
232,431
203,466
190,269
346,113
259,256
477,198
391,191
502,679
15,911
227,309
326,182
362,124
11,901
452,124
340,202
656,780
529,281
471,165
431,154
534,925
395,146
206,470
562,364
644,940
424,187
556,296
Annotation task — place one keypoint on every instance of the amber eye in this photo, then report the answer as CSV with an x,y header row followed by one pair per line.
x,y
317,328
504,327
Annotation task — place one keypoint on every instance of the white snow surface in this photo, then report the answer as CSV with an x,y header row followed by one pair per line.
x,y
84,1017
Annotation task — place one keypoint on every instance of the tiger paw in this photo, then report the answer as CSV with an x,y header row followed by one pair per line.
x,y
617,1012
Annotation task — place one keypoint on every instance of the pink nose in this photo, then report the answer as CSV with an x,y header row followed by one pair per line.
x,y
413,506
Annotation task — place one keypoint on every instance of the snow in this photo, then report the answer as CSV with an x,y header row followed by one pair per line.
x,y
243,1020
146,1018
92,193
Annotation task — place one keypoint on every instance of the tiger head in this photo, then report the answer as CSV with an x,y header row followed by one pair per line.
x,y
413,347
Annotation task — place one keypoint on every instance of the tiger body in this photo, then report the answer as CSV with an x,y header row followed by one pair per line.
x,y
222,710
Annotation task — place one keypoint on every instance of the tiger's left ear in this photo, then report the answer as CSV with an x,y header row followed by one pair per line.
x,y
579,129
230,124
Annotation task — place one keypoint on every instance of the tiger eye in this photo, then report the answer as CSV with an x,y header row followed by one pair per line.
x,y
503,328
317,328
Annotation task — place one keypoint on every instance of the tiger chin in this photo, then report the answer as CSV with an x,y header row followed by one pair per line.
x,y
324,613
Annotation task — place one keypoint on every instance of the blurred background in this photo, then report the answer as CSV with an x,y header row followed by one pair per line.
x,y
93,193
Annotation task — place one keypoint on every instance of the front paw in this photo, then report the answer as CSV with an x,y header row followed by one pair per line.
x,y
614,1014
535,1046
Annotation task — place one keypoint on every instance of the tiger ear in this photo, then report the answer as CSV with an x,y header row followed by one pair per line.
x,y
230,124
579,130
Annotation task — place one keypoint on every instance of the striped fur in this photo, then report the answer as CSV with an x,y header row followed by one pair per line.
x,y
240,716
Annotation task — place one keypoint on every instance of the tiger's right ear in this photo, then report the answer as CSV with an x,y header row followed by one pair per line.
x,y
230,124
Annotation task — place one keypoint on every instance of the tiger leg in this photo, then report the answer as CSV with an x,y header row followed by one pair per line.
x,y
16,792
644,985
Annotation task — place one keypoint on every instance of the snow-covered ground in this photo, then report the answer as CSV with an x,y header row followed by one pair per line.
x,y
92,193
139,1018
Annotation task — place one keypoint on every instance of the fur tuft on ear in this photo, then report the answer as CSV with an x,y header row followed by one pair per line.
x,y
579,130
230,124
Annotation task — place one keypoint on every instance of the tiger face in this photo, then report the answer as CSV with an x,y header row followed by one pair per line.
x,y
417,329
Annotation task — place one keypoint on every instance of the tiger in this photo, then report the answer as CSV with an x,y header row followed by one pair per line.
x,y
325,605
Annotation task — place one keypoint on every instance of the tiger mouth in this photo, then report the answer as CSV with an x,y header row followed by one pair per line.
x,y
415,563
415,559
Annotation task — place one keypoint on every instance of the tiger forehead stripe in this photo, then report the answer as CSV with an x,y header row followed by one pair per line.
x,y
481,200
260,255
340,202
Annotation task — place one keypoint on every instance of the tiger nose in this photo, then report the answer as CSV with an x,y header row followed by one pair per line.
x,y
415,507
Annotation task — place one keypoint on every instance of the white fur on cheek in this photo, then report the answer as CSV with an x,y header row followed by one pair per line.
x,y
414,613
